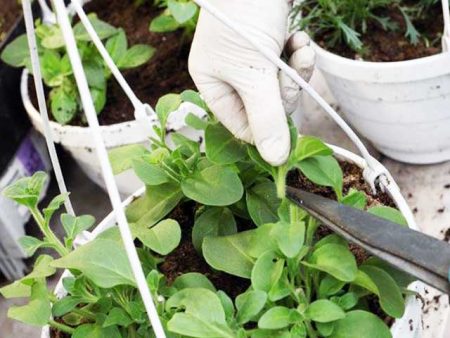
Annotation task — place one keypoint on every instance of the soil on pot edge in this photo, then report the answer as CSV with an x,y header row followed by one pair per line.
x,y
166,72
9,13
185,258
383,46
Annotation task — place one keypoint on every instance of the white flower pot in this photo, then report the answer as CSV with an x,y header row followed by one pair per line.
x,y
80,143
403,108
410,326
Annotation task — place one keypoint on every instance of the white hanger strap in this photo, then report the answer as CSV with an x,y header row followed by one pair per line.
x,y
31,35
80,77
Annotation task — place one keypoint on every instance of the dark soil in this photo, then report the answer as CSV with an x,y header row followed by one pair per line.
x,y
9,13
383,46
166,72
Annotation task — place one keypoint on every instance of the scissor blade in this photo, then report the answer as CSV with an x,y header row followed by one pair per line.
x,y
420,255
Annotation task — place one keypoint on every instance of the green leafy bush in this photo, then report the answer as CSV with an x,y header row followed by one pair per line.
x,y
299,285
57,71
346,21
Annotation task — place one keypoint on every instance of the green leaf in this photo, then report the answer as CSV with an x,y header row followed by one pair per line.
x,y
16,53
194,97
290,237
26,191
42,268
30,245
38,311
227,304
202,314
103,261
136,56
65,305
54,205
163,23
148,173
96,331
325,329
258,160
267,271
52,38
278,317
324,311
221,146
187,146
391,299
236,254
356,199
103,29
195,122
18,289
117,316
157,202
360,324
162,238
348,301
263,203
182,11
213,222
401,278
73,226
363,280
325,171
389,214
117,46
330,286
95,74
63,104
193,280
166,105
215,186
308,146
336,260
331,239
122,158
249,305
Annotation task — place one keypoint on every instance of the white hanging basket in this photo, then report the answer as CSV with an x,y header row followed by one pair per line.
x,y
409,326
401,107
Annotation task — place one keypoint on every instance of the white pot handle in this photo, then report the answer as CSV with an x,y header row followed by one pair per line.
x,y
446,33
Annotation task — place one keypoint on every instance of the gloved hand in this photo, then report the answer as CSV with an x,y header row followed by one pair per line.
x,y
243,89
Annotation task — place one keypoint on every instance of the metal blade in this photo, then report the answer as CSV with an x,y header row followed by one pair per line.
x,y
420,255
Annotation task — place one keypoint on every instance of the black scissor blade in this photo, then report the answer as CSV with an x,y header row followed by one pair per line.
x,y
420,255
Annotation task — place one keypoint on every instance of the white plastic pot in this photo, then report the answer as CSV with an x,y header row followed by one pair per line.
x,y
410,326
403,108
79,141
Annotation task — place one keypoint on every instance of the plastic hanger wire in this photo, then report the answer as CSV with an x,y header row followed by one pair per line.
x,y
31,35
80,77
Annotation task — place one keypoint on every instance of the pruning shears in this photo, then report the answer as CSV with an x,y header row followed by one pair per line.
x,y
411,251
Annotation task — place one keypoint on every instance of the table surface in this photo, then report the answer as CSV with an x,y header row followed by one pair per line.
x,y
425,188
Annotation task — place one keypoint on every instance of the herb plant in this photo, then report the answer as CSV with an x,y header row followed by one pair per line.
x,y
57,71
299,284
177,14
346,21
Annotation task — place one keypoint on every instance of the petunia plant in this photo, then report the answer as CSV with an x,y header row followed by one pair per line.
x,y
297,281
57,72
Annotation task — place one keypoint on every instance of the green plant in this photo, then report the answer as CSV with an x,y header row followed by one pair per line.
x,y
337,21
177,14
299,285
57,71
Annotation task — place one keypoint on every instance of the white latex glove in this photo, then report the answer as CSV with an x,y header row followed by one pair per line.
x,y
243,88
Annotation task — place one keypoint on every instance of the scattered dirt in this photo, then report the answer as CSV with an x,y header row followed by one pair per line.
x,y
166,72
9,13
447,235
383,46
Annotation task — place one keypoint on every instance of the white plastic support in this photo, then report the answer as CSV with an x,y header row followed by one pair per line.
x,y
142,112
31,35
47,15
80,77
446,33
374,169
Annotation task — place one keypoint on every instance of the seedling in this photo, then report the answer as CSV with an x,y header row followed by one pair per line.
x,y
57,72
300,285
346,21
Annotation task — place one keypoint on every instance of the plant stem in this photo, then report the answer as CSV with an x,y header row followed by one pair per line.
x,y
48,233
61,327
280,181
84,313
311,332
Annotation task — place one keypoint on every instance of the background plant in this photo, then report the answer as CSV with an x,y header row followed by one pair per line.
x,y
177,14
346,21
300,285
57,72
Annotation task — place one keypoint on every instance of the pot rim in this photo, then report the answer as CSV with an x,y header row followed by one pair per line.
x,y
382,72
412,306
